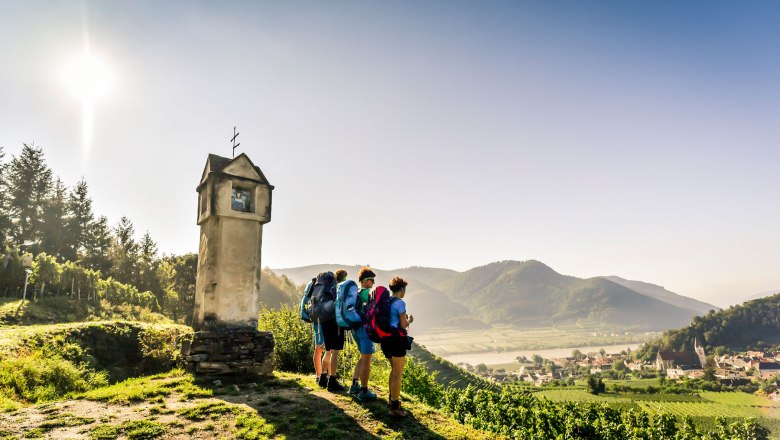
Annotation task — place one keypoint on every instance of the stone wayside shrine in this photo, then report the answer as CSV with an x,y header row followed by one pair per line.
x,y
234,202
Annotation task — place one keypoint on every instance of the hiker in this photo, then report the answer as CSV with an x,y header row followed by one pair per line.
x,y
320,362
395,347
365,346
334,343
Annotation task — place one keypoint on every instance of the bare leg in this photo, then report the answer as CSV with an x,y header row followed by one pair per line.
x,y
365,369
317,359
333,366
396,373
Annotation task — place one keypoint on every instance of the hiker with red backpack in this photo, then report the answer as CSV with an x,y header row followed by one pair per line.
x,y
387,323
365,345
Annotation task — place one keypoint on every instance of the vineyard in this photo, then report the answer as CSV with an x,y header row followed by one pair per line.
x,y
703,408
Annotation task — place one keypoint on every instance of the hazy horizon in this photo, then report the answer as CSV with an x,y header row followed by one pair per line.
x,y
635,139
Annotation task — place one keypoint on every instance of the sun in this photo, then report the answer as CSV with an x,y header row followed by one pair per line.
x,y
88,78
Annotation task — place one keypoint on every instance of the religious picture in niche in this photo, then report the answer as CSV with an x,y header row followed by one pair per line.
x,y
241,200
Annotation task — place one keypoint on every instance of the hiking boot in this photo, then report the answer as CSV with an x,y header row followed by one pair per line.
x,y
395,409
368,396
334,386
354,389
322,382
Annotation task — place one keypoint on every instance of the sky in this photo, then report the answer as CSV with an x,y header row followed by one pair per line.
x,y
637,139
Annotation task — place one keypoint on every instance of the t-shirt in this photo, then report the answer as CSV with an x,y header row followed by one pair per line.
x,y
363,298
396,308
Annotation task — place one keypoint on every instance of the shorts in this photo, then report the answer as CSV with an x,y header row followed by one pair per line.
x,y
333,335
393,347
364,343
318,338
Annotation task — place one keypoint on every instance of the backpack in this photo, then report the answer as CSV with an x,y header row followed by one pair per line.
x,y
347,313
378,316
323,298
303,312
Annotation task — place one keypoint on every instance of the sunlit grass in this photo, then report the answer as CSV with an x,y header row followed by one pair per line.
x,y
145,388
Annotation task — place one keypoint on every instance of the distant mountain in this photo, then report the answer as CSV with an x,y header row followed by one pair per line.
x,y
763,294
658,292
526,294
753,324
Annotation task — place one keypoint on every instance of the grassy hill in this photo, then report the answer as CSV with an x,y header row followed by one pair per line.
x,y
447,374
97,380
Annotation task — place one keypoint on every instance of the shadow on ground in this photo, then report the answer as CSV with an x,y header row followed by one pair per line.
x,y
298,413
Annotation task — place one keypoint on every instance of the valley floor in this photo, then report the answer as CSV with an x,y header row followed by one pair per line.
x,y
172,406
502,344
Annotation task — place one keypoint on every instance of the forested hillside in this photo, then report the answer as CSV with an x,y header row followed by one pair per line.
x,y
753,324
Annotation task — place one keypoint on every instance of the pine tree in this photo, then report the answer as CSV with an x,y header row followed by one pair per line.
x,y
29,183
53,235
5,215
124,253
148,263
98,246
78,221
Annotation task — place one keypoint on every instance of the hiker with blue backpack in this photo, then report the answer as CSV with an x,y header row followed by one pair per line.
x,y
350,314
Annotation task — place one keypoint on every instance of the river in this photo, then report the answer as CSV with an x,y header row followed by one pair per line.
x,y
505,357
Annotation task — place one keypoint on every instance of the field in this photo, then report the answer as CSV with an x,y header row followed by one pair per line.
x,y
502,344
703,407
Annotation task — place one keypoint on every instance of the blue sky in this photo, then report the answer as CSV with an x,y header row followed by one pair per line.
x,y
629,138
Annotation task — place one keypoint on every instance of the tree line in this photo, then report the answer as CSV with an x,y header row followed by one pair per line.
x,y
74,248
751,325
79,254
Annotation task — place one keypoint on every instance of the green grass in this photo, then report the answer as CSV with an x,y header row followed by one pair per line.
x,y
633,383
146,388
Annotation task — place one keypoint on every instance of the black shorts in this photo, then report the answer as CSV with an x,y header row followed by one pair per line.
x,y
393,347
334,336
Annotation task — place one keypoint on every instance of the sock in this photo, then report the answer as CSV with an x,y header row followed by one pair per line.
x,y
364,390
354,381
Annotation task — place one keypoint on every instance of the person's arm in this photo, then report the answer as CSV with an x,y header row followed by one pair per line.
x,y
403,318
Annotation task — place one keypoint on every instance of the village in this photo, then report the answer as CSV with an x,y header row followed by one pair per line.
x,y
731,369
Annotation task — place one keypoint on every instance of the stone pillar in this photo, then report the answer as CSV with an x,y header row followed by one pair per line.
x,y
234,202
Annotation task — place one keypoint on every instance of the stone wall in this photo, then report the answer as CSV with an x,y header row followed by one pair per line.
x,y
234,352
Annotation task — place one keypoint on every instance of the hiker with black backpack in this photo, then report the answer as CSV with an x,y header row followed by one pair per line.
x,y
365,345
322,311
395,346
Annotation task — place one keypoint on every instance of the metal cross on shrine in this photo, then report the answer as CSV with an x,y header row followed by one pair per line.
x,y
235,135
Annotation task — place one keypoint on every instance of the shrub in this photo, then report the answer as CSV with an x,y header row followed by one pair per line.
x,y
37,377
293,339
421,384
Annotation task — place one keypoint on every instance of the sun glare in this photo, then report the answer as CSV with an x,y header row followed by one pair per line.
x,y
88,78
